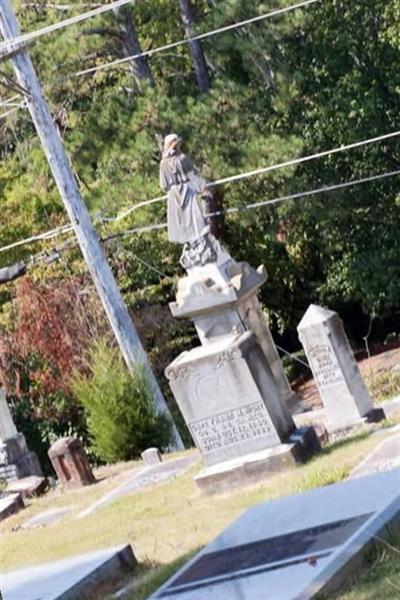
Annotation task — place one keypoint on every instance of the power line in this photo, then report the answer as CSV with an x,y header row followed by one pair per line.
x,y
234,178
71,242
262,170
263,203
13,44
60,7
201,36
10,100
47,235
12,110
10,45
327,188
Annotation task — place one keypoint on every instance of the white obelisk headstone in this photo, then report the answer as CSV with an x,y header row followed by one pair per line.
x,y
342,389
7,427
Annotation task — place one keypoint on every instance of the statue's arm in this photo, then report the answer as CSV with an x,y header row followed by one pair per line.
x,y
194,174
163,179
188,166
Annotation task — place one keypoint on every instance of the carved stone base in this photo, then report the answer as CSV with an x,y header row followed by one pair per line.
x,y
17,461
251,468
229,399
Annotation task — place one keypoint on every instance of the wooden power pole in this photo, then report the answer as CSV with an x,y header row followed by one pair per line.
x,y
117,313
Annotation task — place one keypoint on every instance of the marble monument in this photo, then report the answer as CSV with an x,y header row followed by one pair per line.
x,y
342,389
232,390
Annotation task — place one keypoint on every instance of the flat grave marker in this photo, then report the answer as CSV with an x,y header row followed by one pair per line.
x,y
294,547
73,578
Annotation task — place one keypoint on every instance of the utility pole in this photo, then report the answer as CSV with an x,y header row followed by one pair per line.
x,y
117,313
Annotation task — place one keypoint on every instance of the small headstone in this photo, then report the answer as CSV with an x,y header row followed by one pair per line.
x,y
10,505
151,456
342,389
293,547
70,463
28,486
384,458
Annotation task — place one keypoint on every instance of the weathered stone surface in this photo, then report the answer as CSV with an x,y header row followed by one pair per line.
x,y
151,456
10,505
70,463
229,399
7,427
391,407
384,458
17,461
294,547
28,486
75,578
250,468
342,389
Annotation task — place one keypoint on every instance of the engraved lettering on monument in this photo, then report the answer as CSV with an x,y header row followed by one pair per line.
x,y
225,430
325,366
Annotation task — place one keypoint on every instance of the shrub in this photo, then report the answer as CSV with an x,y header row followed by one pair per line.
x,y
121,418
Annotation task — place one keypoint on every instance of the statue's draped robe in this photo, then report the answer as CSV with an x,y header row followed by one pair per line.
x,y
181,180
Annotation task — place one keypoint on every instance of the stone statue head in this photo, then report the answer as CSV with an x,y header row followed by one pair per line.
x,y
172,140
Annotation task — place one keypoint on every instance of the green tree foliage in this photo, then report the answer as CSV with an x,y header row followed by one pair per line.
x,y
310,80
119,406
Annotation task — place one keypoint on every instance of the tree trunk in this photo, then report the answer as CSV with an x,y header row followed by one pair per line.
x,y
139,67
199,61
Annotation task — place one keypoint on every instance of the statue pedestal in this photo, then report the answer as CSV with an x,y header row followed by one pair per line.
x,y
232,391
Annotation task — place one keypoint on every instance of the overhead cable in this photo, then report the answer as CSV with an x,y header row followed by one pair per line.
x,y
325,188
232,178
71,242
10,101
194,38
262,170
10,45
12,110
47,235
253,205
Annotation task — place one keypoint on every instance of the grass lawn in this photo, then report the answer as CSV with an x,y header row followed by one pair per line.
x,y
165,524
380,577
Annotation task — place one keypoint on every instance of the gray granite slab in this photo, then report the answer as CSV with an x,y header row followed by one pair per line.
x,y
291,548
69,579
144,477
10,505
384,458
47,517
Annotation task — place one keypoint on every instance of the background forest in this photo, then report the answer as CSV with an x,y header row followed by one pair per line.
x,y
310,80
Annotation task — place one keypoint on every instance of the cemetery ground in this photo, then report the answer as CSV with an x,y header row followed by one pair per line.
x,y
167,523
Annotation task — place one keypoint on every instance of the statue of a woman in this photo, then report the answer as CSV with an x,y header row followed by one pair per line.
x,y
185,187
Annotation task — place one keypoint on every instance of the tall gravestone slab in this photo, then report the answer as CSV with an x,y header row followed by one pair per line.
x,y
295,547
232,390
339,381
16,461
